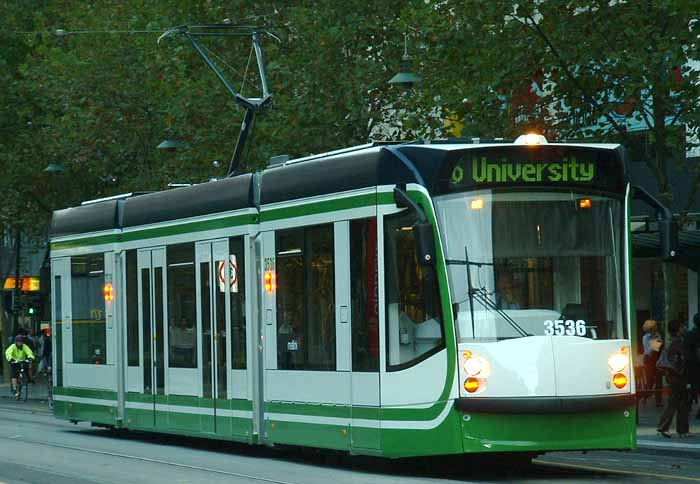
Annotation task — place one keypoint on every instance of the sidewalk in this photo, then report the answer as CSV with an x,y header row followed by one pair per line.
x,y
37,391
648,438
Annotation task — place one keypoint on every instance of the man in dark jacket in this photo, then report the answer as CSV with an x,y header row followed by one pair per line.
x,y
692,342
677,375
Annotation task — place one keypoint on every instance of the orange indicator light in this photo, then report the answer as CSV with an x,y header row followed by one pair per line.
x,y
108,292
619,380
471,385
270,282
585,203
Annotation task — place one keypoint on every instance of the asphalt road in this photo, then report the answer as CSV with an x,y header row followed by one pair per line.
x,y
35,448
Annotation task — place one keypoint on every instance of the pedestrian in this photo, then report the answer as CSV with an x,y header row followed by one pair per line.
x,y
692,344
652,343
674,365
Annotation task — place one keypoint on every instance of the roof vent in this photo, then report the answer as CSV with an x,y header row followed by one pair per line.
x,y
278,160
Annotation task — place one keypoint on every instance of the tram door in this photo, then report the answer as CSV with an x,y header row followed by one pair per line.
x,y
212,271
152,315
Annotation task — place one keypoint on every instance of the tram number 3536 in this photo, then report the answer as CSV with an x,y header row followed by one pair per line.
x,y
560,327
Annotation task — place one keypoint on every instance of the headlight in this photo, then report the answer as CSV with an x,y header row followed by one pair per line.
x,y
618,361
473,365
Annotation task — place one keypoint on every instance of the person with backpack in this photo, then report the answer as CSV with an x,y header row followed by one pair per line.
x,y
692,341
673,364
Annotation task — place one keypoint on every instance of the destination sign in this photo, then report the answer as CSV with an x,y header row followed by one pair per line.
x,y
546,165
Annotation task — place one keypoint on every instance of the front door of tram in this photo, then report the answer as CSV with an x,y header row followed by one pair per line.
x,y
152,314
212,273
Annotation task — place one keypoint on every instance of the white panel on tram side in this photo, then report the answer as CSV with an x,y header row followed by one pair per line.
x,y
134,379
365,389
110,314
255,328
343,325
251,314
143,262
307,386
182,381
158,259
269,308
67,320
60,268
96,377
202,255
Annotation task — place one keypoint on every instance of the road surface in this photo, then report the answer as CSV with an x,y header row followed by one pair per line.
x,y
35,448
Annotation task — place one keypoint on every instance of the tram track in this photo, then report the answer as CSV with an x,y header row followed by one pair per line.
x,y
151,460
549,465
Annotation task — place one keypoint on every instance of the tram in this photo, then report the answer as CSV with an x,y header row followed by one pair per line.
x,y
394,300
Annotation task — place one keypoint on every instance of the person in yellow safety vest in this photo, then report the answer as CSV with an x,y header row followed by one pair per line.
x,y
18,354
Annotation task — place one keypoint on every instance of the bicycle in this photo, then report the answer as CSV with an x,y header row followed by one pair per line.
x,y
22,390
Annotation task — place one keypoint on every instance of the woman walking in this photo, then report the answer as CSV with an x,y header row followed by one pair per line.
x,y
675,368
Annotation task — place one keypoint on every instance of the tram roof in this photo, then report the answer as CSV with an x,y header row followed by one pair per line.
x,y
339,171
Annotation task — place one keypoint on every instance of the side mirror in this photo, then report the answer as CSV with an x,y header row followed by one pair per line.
x,y
425,243
668,228
422,230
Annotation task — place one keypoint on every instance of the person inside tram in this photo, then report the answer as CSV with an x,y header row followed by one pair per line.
x,y
505,294
18,354
182,341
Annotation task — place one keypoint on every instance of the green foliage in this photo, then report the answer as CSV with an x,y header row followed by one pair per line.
x,y
99,98
575,69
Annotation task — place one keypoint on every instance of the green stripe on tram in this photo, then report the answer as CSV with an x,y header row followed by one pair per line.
x,y
164,231
85,393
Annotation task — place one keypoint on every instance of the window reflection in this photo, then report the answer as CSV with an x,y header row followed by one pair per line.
x,y
238,321
364,295
413,316
88,306
181,306
305,299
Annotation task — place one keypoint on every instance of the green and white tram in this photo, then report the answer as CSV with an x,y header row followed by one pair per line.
x,y
394,300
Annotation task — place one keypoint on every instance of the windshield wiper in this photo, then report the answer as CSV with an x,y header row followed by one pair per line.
x,y
482,295
490,304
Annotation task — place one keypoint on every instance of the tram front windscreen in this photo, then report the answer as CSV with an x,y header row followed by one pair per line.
x,y
535,262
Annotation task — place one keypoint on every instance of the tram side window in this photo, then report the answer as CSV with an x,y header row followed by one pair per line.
x,y
364,295
305,298
413,316
88,306
238,322
182,311
132,309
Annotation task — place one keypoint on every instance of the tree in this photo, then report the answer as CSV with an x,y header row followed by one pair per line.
x,y
584,69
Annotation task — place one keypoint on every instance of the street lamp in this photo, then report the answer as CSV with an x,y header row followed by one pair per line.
x,y
405,78
173,144
55,168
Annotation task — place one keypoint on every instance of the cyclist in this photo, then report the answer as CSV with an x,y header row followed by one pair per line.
x,y
18,354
